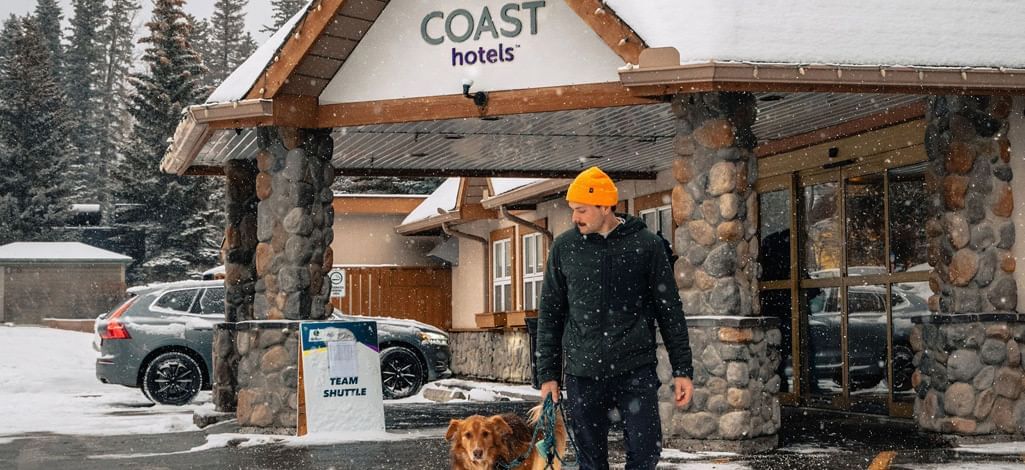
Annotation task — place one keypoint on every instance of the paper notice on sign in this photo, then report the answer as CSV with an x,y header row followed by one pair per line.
x,y
342,359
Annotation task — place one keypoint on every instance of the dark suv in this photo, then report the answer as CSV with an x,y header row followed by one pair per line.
x,y
160,340
866,333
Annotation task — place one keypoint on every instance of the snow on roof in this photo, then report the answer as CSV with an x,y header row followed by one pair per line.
x,y
986,33
58,251
242,79
445,197
504,185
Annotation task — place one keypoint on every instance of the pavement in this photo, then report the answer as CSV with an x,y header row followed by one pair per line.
x,y
809,439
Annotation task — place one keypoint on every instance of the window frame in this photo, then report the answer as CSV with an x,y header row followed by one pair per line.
x,y
502,236
537,276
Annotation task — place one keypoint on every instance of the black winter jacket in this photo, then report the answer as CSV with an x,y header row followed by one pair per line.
x,y
600,301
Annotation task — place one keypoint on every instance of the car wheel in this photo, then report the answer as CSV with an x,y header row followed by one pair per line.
x,y
903,368
172,378
401,372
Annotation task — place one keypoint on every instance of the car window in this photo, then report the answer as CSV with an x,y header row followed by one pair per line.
x,y
179,300
212,302
860,302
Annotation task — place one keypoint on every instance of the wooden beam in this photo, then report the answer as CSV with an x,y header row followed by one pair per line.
x,y
500,103
610,28
350,204
695,78
888,118
243,123
475,173
295,111
296,47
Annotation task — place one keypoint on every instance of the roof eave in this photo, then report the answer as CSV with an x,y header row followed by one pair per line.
x,y
660,73
521,194
430,223
197,125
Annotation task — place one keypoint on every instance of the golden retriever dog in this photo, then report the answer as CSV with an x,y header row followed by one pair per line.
x,y
481,443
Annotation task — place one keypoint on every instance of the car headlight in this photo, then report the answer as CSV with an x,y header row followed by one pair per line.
x,y
428,337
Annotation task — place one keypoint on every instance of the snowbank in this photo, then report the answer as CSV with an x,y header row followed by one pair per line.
x,y
48,384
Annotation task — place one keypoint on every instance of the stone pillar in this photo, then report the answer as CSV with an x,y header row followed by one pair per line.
x,y
736,352
294,229
969,376
240,276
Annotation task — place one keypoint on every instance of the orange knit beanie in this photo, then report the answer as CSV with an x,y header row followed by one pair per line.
x,y
592,186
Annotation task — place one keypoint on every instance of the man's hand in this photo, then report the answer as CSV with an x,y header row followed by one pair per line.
x,y
683,388
550,387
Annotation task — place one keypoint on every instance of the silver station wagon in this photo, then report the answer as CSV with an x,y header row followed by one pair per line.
x,y
160,340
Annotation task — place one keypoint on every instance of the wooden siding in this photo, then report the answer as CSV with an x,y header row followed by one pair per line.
x,y
422,294
34,292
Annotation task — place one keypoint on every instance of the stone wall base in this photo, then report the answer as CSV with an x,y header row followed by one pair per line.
x,y
225,363
735,383
969,377
502,355
747,446
268,374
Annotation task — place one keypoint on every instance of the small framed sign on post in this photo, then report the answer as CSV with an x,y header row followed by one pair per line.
x,y
337,276
340,378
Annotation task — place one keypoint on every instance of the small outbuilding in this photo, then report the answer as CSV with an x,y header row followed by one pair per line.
x,y
58,280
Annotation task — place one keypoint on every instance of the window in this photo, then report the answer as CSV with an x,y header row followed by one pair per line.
x,y
659,219
501,275
212,302
533,270
179,300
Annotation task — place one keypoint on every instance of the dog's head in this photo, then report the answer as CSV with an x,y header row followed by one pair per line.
x,y
479,440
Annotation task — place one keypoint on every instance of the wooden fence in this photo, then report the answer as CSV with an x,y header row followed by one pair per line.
x,y
422,294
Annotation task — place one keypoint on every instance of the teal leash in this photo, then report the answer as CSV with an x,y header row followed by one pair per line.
x,y
547,446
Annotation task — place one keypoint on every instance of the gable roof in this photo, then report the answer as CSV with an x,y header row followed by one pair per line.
x,y
695,46
58,252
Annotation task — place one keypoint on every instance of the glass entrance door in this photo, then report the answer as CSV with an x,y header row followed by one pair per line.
x,y
862,276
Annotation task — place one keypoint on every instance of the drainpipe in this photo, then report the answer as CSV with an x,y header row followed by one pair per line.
x,y
483,241
531,225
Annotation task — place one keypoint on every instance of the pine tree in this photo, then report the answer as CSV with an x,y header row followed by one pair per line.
x,y
284,10
175,210
83,64
33,136
230,43
48,16
115,121
204,48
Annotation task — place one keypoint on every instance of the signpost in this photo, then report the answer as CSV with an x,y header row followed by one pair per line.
x,y
337,276
340,374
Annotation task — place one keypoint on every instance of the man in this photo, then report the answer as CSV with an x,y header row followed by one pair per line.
x,y
607,283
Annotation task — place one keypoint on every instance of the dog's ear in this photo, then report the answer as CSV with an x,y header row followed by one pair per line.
x,y
453,429
498,424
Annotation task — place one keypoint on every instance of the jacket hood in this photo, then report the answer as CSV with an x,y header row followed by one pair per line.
x,y
629,226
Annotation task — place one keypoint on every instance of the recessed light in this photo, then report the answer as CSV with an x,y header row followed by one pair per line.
x,y
490,118
418,154
453,136
772,97
596,157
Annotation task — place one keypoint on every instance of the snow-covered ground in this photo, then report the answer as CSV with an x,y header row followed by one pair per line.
x,y
48,384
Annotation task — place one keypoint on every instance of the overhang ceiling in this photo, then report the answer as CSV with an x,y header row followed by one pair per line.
x,y
625,139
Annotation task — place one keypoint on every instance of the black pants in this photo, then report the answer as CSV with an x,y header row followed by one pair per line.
x,y
590,401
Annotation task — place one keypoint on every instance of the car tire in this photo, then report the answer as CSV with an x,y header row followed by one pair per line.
x,y
903,368
401,372
172,378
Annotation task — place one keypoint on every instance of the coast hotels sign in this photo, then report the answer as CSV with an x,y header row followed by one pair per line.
x,y
461,25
